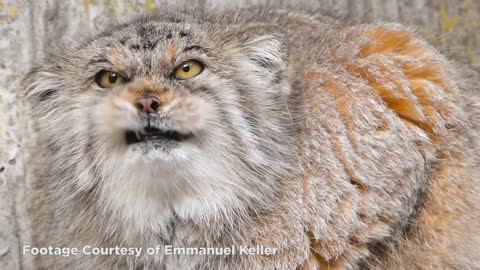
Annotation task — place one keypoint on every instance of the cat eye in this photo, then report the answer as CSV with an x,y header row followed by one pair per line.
x,y
188,69
109,79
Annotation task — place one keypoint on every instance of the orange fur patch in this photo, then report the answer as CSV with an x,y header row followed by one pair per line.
x,y
116,57
410,78
406,76
142,88
172,54
165,97
316,261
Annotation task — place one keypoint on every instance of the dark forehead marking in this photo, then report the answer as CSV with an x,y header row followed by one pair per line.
x,y
135,47
195,47
174,20
150,44
124,40
145,30
149,35
98,60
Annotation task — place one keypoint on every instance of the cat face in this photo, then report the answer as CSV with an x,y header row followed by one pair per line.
x,y
201,100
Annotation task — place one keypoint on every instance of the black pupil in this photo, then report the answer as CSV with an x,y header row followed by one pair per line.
x,y
186,68
112,78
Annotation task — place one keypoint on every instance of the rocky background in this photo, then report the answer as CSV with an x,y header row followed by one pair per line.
x,y
28,28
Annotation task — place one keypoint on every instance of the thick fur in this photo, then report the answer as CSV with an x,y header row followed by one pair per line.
x,y
345,147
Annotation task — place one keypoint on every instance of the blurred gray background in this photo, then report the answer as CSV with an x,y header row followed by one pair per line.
x,y
28,28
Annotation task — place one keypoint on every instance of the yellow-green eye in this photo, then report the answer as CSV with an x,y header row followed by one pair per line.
x,y
109,79
188,69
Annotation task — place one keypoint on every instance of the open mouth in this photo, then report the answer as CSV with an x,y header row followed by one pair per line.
x,y
154,134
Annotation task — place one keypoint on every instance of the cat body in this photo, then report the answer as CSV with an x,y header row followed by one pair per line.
x,y
334,146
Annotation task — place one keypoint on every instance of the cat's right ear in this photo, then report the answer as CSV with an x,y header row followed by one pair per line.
x,y
40,85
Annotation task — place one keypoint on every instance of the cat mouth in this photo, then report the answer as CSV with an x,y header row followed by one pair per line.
x,y
155,135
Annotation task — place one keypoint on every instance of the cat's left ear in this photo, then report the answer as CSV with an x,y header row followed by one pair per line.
x,y
260,49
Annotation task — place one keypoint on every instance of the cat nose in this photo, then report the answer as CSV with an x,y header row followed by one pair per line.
x,y
148,104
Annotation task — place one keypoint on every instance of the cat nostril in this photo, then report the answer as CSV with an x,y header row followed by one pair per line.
x,y
148,105
155,104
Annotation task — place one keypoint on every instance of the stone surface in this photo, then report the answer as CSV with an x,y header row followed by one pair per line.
x,y
3,251
28,28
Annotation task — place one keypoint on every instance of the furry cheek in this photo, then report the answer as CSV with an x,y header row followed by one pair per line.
x,y
191,114
119,114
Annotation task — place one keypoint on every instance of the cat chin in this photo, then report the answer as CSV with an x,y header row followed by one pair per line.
x,y
162,153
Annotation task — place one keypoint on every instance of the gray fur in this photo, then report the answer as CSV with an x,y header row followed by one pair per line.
x,y
273,160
